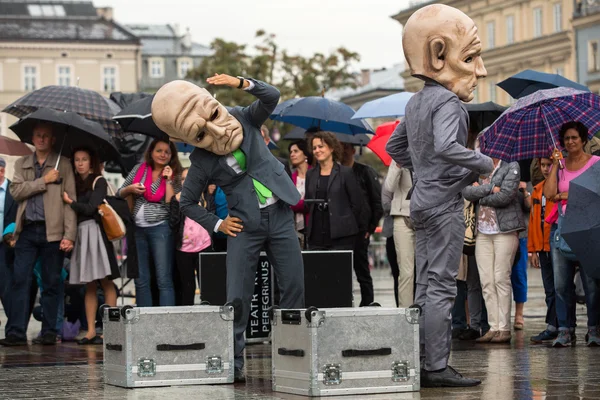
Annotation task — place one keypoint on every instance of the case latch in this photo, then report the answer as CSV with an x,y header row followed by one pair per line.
x,y
214,365
400,371
146,367
332,374
412,315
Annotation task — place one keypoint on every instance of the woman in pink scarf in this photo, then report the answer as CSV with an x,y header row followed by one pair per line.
x,y
153,184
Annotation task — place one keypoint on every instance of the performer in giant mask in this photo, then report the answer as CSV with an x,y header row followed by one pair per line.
x,y
230,152
442,47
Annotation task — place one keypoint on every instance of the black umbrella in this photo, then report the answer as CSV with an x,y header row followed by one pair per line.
x,y
137,118
359,139
71,131
483,115
87,103
581,227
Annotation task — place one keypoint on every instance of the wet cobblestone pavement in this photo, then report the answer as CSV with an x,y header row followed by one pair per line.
x,y
516,371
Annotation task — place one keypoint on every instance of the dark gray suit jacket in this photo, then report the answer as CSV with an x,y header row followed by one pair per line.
x,y
239,189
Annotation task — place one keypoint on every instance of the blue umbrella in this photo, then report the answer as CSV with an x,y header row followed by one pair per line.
x,y
299,134
529,81
318,112
390,106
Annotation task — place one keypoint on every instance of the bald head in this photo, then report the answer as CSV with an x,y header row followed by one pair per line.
x,y
442,43
188,113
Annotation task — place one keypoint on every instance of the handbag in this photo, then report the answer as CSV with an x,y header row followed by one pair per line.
x,y
470,228
112,223
559,242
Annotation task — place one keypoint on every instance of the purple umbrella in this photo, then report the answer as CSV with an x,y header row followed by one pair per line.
x,y
529,129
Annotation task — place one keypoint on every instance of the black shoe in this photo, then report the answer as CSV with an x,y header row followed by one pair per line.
x,y
456,332
49,339
13,340
470,334
446,378
238,375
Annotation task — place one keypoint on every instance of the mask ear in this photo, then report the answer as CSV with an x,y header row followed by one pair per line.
x,y
437,54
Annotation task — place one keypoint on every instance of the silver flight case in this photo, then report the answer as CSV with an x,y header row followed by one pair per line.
x,y
164,346
339,351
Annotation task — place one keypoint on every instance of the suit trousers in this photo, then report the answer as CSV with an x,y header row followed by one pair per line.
x,y
439,235
277,235
495,254
404,240
361,269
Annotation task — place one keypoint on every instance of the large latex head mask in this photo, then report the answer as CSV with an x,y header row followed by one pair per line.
x,y
442,43
189,113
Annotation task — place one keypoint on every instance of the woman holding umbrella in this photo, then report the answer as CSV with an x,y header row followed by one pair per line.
x,y
153,184
93,260
573,137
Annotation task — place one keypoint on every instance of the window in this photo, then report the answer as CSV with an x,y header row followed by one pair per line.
x,y
593,57
46,10
64,75
510,29
156,68
30,77
492,90
537,22
557,17
59,11
184,67
491,34
109,79
34,10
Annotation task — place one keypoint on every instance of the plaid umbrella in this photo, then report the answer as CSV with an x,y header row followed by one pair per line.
x,y
529,129
87,103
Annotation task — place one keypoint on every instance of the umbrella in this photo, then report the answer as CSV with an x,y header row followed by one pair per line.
x,y
137,118
87,103
71,131
581,227
483,115
12,147
390,106
378,143
300,133
529,129
319,112
527,82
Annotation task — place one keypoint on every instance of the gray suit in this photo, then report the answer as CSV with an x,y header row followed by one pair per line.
x,y
431,141
271,228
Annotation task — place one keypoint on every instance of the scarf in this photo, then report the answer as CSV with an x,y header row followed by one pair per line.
x,y
148,195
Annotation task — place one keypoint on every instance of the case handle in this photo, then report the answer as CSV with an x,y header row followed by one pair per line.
x,y
384,351
177,347
287,352
115,347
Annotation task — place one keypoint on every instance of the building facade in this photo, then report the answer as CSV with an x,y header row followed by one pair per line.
x,y
63,43
166,54
516,35
586,23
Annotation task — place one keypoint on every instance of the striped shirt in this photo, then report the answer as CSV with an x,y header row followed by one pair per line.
x,y
153,212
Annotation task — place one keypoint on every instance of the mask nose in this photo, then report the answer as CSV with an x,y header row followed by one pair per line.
x,y
480,70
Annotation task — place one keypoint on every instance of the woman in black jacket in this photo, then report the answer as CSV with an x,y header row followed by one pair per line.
x,y
334,222
93,260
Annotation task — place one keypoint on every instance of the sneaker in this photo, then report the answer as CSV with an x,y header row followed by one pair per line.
x,y
563,339
593,338
544,337
13,340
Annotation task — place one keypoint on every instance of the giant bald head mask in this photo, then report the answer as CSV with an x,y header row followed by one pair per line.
x,y
442,43
189,113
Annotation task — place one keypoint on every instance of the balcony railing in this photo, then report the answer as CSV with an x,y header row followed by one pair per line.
x,y
583,8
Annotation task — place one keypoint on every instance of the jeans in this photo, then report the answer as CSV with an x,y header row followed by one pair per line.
x,y
564,273
38,313
518,275
32,244
548,281
156,242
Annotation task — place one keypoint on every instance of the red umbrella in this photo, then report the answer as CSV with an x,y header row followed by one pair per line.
x,y
382,135
12,147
